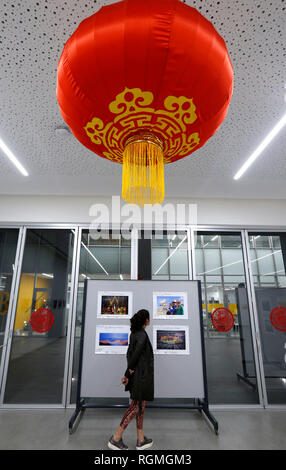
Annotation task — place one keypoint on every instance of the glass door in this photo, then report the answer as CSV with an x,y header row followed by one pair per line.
x,y
107,257
268,262
231,371
169,253
35,371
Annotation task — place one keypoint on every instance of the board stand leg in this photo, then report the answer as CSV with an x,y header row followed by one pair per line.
x,y
76,417
246,380
200,405
204,404
204,409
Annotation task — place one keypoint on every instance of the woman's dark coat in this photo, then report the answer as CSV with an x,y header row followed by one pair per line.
x,y
140,359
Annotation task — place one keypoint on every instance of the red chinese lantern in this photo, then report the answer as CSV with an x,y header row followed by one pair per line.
x,y
144,83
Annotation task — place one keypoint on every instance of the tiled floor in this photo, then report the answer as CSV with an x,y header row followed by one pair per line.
x,y
170,429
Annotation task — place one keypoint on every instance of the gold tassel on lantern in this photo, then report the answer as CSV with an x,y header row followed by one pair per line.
x,y
143,170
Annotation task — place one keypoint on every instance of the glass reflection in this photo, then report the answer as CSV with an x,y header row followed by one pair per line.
x,y
229,352
170,256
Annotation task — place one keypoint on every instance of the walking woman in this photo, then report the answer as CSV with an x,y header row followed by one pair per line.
x,y
138,380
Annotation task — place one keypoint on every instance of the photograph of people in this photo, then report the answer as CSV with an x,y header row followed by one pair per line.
x,y
138,380
167,305
114,304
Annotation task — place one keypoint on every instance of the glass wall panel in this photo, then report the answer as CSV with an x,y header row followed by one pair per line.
x,y
109,257
268,258
170,256
8,246
37,357
230,364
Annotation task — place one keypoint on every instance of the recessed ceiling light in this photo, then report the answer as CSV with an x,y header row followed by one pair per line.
x,y
62,130
12,158
261,147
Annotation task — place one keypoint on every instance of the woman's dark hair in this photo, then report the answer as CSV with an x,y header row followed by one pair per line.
x,y
139,319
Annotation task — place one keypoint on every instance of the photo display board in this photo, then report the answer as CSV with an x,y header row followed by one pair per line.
x,y
272,339
174,331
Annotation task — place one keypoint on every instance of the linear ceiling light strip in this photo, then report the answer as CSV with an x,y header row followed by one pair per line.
x,y
12,158
261,147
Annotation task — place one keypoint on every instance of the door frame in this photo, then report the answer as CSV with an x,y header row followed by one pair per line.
x,y
251,304
266,404
11,312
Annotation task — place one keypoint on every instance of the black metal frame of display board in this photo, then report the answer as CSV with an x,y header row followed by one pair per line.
x,y
201,405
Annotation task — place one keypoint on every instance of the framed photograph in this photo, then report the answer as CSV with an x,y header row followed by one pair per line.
x,y
114,304
171,339
112,339
170,305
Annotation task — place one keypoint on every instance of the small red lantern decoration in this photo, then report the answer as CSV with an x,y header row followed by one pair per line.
x,y
278,318
222,319
144,83
42,320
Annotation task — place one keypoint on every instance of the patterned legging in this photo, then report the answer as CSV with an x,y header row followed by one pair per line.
x,y
132,411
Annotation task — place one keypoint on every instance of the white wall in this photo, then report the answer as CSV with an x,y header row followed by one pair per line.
x,y
65,209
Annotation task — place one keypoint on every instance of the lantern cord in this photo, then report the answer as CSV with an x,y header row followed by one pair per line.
x,y
143,172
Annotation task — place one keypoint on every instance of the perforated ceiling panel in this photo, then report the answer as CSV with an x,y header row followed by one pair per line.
x,y
32,36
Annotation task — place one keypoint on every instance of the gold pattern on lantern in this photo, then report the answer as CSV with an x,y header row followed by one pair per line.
x,y
133,112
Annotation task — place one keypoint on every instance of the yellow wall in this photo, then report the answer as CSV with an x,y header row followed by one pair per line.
x,y
212,307
25,298
4,302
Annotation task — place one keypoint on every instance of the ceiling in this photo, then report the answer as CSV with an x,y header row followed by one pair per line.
x,y
32,36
